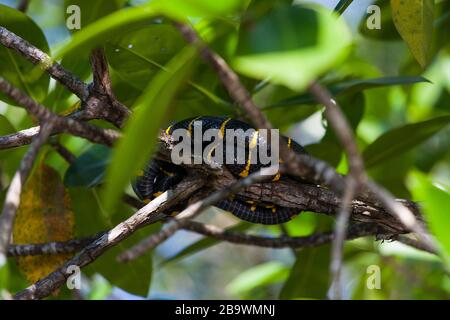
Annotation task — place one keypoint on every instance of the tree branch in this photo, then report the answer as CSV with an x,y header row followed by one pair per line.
x,y
18,139
356,231
63,152
40,58
98,102
63,124
416,244
102,102
357,178
308,169
123,230
49,248
340,233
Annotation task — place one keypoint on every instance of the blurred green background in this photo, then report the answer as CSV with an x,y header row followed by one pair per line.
x,y
399,111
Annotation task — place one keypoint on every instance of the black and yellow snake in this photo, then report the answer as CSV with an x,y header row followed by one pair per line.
x,y
159,176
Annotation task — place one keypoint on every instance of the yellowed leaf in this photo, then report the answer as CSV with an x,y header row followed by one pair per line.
x,y
414,21
44,215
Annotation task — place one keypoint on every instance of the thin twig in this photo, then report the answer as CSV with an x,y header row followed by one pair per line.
x,y
360,181
356,231
12,199
23,5
415,244
342,129
49,248
340,232
357,177
133,202
63,152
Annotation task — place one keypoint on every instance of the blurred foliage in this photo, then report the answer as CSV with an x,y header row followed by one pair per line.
x,y
392,83
20,72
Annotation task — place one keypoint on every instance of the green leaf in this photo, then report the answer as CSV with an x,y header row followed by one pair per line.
x,y
120,22
303,281
106,28
89,168
137,61
5,126
151,110
398,140
143,51
13,67
435,203
257,277
349,87
292,45
203,244
283,118
414,21
391,173
195,8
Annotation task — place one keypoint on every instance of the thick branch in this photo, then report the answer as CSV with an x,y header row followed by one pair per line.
x,y
293,194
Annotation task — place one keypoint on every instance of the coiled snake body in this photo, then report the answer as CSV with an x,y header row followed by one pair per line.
x,y
159,176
